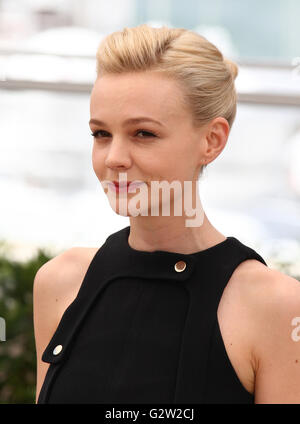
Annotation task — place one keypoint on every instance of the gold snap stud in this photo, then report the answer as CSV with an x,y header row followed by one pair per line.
x,y
180,266
57,349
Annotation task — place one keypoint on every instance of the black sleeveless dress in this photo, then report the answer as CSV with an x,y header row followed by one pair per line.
x,y
143,329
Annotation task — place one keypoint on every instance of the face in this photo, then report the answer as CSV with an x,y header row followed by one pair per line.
x,y
168,149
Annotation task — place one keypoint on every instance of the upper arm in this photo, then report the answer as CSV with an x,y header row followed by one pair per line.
x,y
278,340
51,295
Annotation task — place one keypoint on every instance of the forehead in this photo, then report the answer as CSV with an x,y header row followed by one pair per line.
x,y
137,93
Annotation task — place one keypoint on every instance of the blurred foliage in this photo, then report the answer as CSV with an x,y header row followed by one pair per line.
x,y
17,353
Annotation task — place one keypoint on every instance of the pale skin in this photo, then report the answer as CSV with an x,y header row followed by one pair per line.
x,y
258,303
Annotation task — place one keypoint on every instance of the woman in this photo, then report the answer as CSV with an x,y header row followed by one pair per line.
x,y
169,309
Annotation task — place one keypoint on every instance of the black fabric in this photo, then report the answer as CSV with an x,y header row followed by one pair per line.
x,y
141,332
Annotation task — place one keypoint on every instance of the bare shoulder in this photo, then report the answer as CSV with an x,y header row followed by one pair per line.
x,y
56,284
59,279
235,321
274,298
256,313
253,282
265,290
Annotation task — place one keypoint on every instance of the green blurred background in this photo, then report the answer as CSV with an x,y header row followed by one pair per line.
x,y
17,353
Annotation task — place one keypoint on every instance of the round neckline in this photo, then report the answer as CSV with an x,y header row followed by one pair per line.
x,y
166,252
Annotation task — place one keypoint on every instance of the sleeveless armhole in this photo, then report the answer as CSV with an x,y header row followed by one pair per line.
x,y
223,384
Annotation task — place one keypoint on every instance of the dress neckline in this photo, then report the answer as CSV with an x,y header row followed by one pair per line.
x,y
204,252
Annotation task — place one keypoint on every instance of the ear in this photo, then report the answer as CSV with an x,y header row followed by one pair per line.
x,y
216,138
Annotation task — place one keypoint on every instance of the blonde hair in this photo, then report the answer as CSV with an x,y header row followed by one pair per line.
x,y
206,77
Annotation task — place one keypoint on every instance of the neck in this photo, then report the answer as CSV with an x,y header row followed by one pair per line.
x,y
172,235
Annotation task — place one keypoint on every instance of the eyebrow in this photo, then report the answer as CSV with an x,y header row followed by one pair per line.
x,y
129,121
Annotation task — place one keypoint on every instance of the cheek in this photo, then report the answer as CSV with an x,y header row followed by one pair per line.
x,y
178,169
97,161
159,165
184,165
177,163
167,169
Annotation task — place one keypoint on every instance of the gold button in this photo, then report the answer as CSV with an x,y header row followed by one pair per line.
x,y
180,266
57,349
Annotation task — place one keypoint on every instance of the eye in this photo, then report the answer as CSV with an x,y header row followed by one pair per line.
x,y
97,134
146,132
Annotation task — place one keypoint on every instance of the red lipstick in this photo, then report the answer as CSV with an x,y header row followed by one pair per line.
x,y
123,186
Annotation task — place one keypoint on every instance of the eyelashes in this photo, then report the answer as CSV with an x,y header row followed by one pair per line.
x,y
96,134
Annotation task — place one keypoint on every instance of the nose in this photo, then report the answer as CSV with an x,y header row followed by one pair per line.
x,y
118,155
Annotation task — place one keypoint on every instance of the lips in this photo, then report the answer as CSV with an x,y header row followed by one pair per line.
x,y
126,185
122,184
